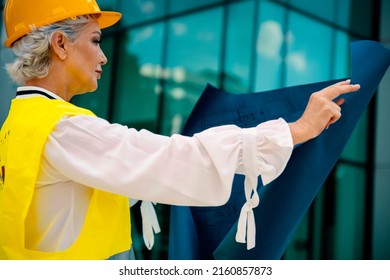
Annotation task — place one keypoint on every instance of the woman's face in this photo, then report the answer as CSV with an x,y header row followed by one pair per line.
x,y
85,59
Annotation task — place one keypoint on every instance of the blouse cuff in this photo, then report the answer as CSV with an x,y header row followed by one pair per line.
x,y
246,228
264,153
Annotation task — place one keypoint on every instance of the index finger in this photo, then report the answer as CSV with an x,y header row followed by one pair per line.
x,y
339,88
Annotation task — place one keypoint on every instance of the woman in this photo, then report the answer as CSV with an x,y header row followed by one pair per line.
x,y
67,174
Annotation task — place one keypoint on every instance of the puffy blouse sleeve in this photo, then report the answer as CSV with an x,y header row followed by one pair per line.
x,y
177,170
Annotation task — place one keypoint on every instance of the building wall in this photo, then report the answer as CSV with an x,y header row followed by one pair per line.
x,y
381,221
163,53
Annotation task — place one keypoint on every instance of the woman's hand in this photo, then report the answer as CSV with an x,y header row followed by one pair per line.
x,y
321,111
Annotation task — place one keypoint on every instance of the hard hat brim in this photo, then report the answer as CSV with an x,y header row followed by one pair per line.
x,y
107,19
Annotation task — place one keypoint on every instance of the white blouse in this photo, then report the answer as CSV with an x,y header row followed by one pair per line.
x,y
86,151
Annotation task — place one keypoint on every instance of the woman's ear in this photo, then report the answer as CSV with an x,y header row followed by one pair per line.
x,y
59,44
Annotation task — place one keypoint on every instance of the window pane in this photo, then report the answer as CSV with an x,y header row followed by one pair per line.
x,y
8,89
108,5
239,38
192,62
341,68
269,46
98,101
322,9
349,206
297,249
356,148
361,19
3,35
180,5
138,73
309,50
343,13
1,23
141,10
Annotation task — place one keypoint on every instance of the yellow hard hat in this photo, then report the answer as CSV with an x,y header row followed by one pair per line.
x,y
20,16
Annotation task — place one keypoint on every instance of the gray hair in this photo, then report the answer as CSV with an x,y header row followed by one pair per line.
x,y
32,51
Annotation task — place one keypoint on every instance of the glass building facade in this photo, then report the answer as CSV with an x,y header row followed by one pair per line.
x,y
163,53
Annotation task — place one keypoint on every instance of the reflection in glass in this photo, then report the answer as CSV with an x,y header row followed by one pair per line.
x,y
341,60
180,5
238,60
110,5
309,50
269,46
349,213
356,148
141,10
137,80
322,9
192,62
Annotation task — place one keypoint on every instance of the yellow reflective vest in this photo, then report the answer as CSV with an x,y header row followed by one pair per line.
x,y
106,230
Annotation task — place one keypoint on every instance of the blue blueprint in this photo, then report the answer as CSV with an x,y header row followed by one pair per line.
x,y
209,232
